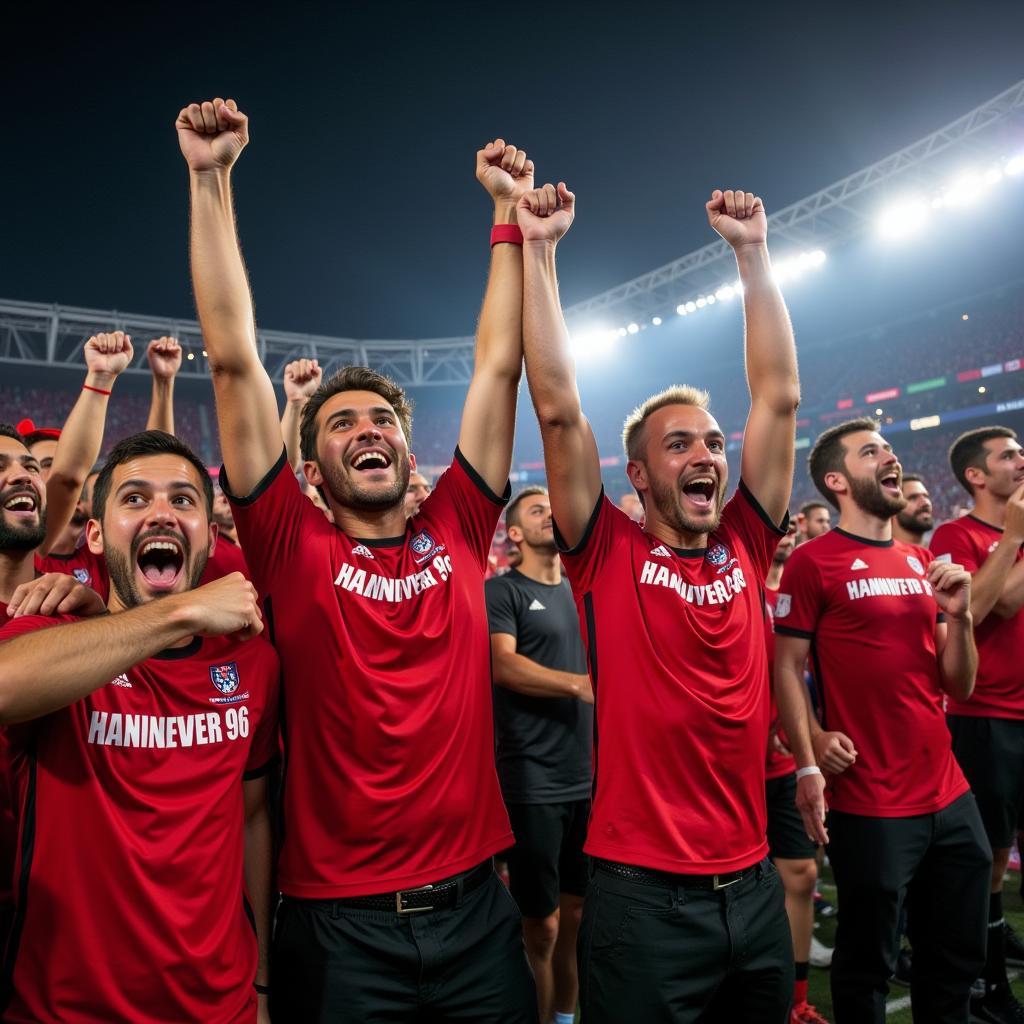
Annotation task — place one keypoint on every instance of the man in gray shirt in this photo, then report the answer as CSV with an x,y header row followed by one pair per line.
x,y
544,725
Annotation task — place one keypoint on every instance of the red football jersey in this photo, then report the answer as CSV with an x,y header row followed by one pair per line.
x,y
999,688
776,765
390,780
227,558
870,615
676,646
8,821
86,567
129,898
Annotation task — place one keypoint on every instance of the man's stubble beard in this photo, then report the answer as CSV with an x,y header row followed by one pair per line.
x,y
666,501
869,497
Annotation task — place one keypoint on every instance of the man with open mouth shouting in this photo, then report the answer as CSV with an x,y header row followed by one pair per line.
x,y
684,915
391,908
140,744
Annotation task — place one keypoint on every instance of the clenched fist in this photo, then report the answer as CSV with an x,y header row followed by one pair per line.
x,y
107,355
301,378
738,217
225,607
544,214
212,134
164,355
506,172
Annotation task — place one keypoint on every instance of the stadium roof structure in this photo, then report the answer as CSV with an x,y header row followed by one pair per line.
x,y
52,335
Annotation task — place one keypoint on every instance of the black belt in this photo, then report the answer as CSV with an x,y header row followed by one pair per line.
x,y
648,876
436,896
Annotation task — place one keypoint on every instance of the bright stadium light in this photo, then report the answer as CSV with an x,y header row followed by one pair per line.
x,y
681,309
701,302
691,307
592,341
656,320
711,300
903,220
633,328
621,332
1014,165
725,293
967,189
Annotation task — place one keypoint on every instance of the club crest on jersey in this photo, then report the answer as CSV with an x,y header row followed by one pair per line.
x,y
915,564
82,575
717,554
783,603
423,546
225,677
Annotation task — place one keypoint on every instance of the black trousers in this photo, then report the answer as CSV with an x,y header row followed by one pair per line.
x,y
939,865
337,964
669,955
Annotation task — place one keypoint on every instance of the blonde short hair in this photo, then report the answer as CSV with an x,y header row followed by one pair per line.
x,y
633,428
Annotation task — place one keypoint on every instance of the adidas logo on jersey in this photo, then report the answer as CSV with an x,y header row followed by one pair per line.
x,y
661,551
362,549
536,606
859,564
121,680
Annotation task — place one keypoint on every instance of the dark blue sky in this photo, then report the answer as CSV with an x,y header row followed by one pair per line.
x,y
358,209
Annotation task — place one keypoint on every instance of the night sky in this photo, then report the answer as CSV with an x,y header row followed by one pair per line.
x,y
359,213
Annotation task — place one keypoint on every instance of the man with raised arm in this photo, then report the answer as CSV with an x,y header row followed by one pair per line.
x,y
684,915
139,745
392,811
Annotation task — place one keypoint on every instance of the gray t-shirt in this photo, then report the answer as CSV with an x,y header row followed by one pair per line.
x,y
543,743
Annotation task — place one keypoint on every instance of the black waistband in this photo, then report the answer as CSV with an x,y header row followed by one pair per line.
x,y
442,895
667,879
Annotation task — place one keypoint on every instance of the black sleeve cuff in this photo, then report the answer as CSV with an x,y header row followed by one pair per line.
x,y
258,773
481,484
789,631
582,543
258,489
762,515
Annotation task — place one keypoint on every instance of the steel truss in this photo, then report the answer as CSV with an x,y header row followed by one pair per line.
x,y
42,335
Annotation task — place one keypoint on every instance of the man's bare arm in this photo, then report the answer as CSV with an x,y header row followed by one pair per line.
x,y
211,136
52,668
570,451
164,357
954,638
998,584
301,379
81,439
516,672
489,415
767,459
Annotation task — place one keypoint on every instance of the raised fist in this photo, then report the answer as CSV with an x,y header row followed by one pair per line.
x,y
108,354
226,607
544,214
506,172
164,355
211,134
301,378
738,217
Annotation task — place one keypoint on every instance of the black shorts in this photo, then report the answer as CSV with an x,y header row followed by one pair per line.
x,y
787,837
991,754
548,857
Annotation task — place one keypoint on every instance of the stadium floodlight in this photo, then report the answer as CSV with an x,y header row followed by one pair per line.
x,y
191,355
1014,165
902,220
701,302
967,189
681,309
633,328
711,300
621,332
656,320
725,293
691,307
592,341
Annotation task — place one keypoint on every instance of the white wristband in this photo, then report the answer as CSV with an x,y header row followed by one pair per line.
x,y
811,769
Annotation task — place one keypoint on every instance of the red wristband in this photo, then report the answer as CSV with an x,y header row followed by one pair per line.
x,y
99,391
506,233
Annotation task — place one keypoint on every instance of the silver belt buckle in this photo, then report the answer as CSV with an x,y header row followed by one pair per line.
x,y
716,884
405,911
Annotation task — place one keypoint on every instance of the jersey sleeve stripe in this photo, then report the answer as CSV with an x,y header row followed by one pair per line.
x,y
790,631
248,499
780,529
591,523
481,484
